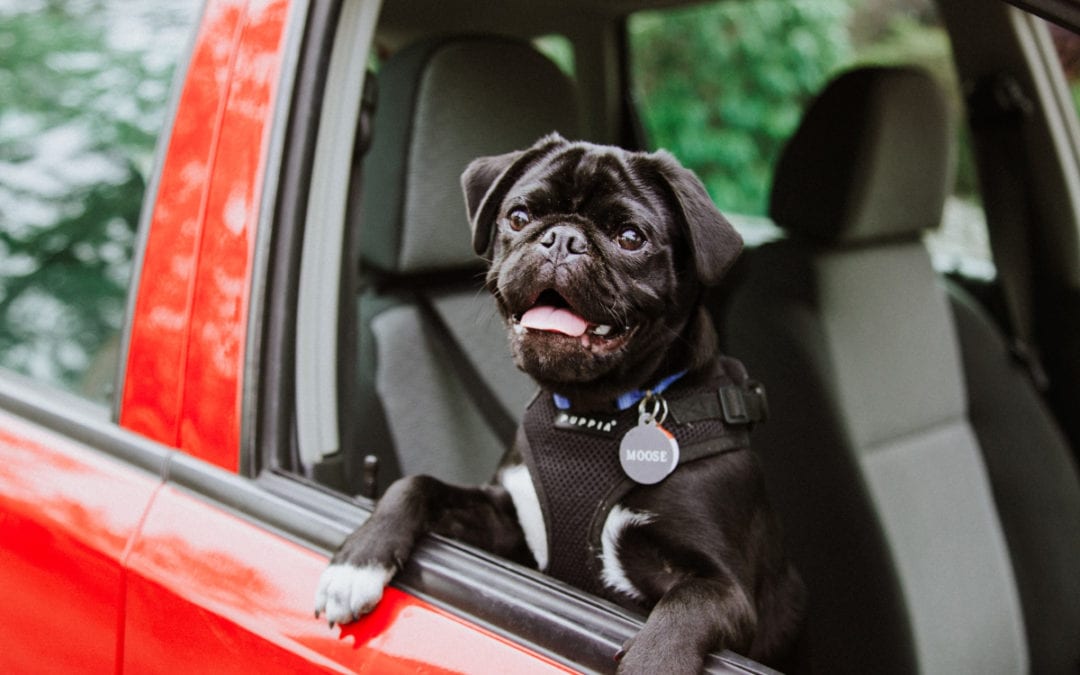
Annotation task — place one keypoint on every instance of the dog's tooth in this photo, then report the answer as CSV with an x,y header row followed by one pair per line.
x,y
601,330
519,329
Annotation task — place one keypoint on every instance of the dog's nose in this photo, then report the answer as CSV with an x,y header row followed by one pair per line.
x,y
564,241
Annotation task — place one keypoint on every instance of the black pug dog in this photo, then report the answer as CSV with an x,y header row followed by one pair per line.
x,y
630,476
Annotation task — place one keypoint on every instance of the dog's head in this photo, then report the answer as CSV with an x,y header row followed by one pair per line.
x,y
598,259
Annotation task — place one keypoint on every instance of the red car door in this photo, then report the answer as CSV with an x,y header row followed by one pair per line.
x,y
68,515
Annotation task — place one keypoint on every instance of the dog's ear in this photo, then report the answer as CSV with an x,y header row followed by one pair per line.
x,y
487,180
477,181
714,242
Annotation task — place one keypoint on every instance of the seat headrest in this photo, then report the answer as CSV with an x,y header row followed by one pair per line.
x,y
871,160
442,103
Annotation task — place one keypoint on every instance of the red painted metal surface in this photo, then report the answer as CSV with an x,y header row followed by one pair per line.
x,y
153,385
184,370
219,594
67,515
211,407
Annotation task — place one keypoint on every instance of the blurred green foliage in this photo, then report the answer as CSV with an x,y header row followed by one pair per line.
x,y
83,88
723,85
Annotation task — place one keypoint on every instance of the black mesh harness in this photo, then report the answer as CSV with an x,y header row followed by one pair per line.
x,y
578,461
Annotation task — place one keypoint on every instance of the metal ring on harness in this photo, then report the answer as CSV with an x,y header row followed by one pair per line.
x,y
658,413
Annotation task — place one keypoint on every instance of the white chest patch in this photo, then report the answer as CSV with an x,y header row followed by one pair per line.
x,y
519,484
619,519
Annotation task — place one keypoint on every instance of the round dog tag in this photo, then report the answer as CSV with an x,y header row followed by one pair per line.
x,y
648,453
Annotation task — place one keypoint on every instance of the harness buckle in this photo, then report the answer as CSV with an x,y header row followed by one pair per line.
x,y
744,404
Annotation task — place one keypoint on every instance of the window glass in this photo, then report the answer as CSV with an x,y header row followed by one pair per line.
x,y
83,94
723,86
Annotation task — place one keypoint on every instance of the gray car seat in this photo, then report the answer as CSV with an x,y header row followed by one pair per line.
x,y
442,103
929,499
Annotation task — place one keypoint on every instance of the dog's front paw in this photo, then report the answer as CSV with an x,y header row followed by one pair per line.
x,y
346,592
647,656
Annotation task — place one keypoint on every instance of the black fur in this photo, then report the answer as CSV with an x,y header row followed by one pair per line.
x,y
710,565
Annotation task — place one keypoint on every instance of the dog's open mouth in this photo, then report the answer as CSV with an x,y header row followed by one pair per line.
x,y
551,313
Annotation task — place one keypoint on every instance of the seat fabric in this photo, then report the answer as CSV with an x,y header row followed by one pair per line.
x,y
442,103
919,534
1034,479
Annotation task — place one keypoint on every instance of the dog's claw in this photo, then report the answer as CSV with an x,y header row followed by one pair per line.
x,y
622,650
625,649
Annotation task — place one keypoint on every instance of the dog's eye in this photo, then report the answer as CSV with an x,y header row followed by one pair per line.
x,y
630,239
519,218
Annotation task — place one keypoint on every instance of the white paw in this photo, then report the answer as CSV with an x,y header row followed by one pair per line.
x,y
347,592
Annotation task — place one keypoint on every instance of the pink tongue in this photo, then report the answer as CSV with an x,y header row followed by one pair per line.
x,y
554,319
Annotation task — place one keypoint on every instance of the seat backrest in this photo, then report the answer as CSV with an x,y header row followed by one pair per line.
x,y
905,527
442,103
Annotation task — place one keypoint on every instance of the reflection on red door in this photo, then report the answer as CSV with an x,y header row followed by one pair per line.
x,y
186,354
154,387
221,595
67,515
